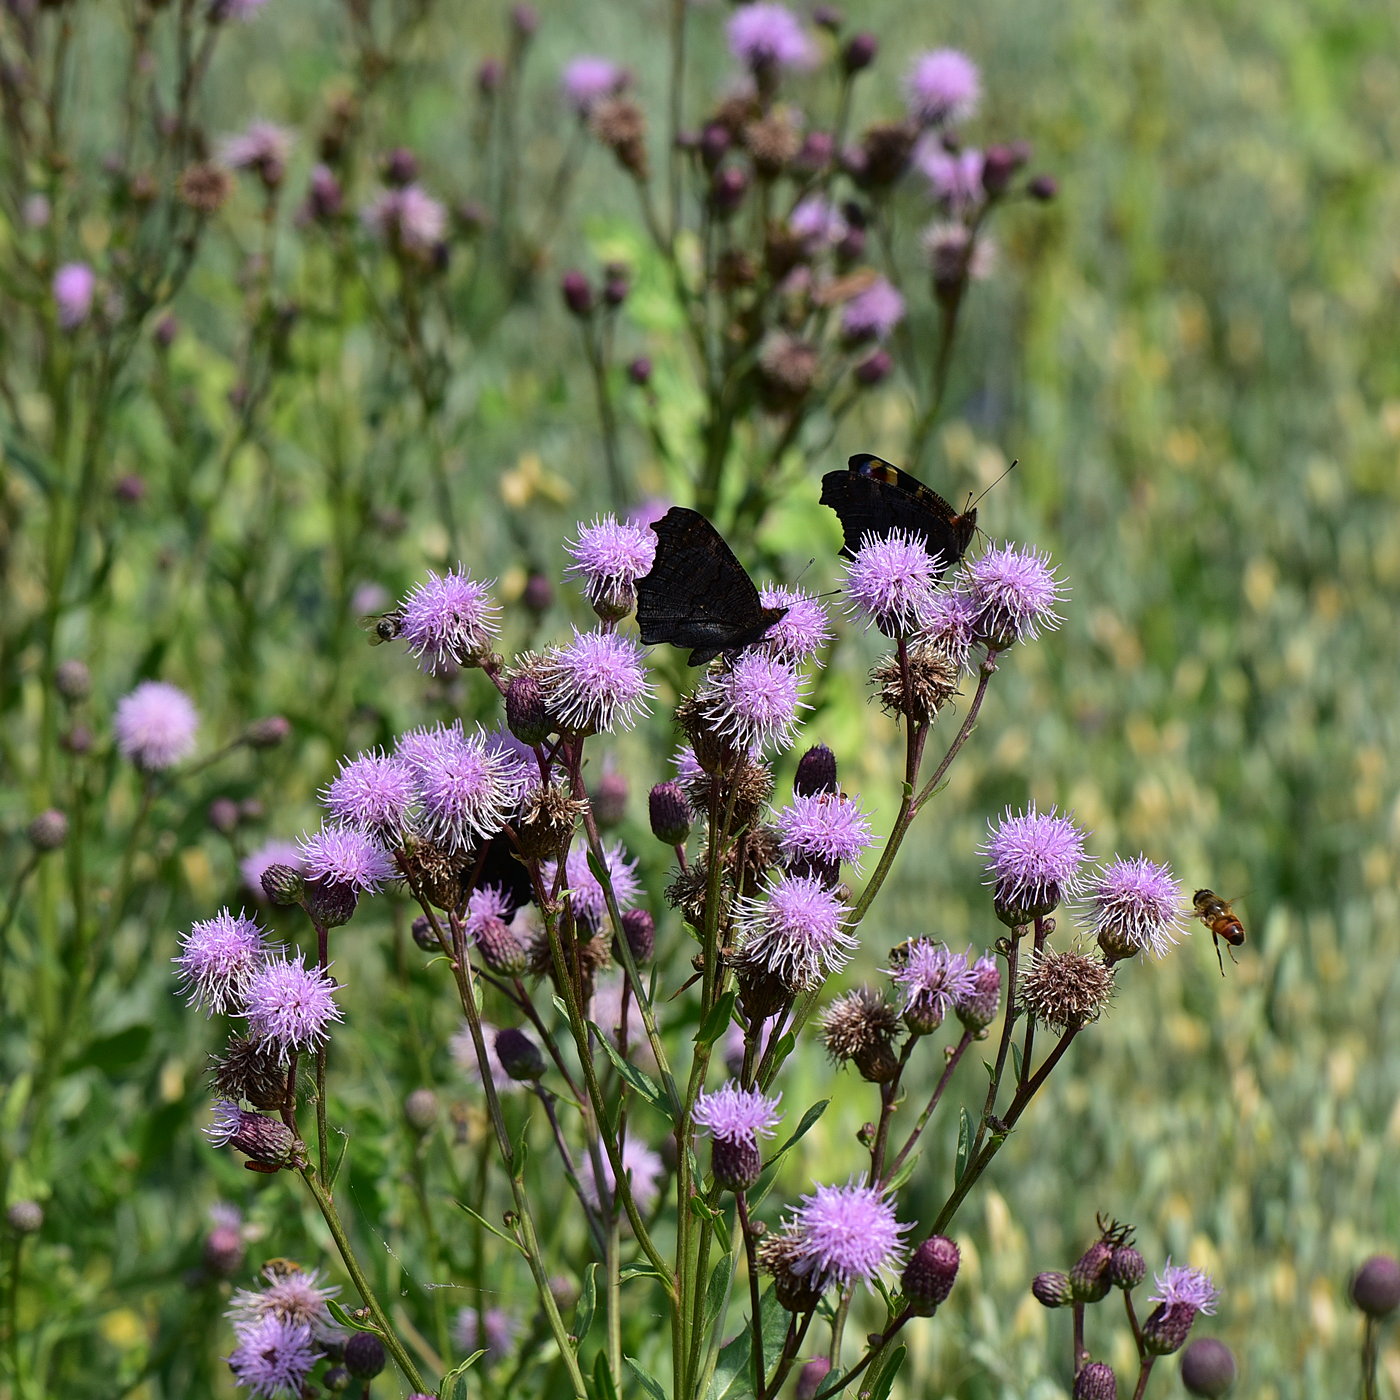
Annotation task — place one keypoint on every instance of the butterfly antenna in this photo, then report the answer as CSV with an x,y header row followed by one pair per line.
x,y
997,482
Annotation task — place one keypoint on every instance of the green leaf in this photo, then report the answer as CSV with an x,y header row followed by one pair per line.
x,y
880,1387
638,1269
587,1303
770,1171
455,1381
964,1144
603,1387
1016,1060
733,1376
339,1160
717,1290
906,1170
483,1221
342,1316
649,1382
717,1022
637,1079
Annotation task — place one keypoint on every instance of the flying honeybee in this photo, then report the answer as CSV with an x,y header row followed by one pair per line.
x,y
384,626
1217,915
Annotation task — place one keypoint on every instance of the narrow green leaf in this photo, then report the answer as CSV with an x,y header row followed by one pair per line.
x,y
587,1303
339,1161
880,1388
454,1383
964,1143
649,1382
342,1316
603,1386
733,1376
770,1171
635,1078
717,1290
1016,1060
906,1170
637,1269
483,1221
717,1022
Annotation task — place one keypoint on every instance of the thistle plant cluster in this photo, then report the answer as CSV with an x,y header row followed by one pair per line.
x,y
617,1036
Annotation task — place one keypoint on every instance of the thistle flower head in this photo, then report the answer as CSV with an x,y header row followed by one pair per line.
x,y
802,631
874,313
261,146
289,1006
933,980
817,221
1181,1284
795,931
345,855
486,902
1015,592
890,582
468,790
977,1006
292,1295
642,1167
954,177
753,703
448,619
949,623
587,79
1135,905
408,220
732,1114
610,558
942,86
218,959
847,1233
1064,990
273,1358
73,287
493,1331
596,683
768,36
155,725
585,894
1033,861
826,826
372,790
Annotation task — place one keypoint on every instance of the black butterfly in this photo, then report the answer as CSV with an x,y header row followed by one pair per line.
x,y
697,593
873,497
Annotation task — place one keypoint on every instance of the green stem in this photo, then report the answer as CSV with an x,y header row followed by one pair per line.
x,y
932,1104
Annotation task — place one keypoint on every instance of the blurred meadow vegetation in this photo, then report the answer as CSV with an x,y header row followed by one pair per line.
x,y
1193,354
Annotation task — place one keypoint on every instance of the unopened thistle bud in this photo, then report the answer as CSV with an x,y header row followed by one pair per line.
x,y
977,1008
72,680
1042,187
1127,1268
282,884
223,815
48,831
365,1356
268,1142
424,936
267,733
929,1275
400,167
639,371
811,1377
816,772
519,1056
1375,1286
727,191
329,903
577,294
1089,1278
500,949
639,928
1096,1382
1000,163
1052,1289
1208,1368
670,814
859,52
609,799
874,369
526,715
420,1110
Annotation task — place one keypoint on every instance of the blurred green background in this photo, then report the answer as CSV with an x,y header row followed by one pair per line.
x,y
1193,355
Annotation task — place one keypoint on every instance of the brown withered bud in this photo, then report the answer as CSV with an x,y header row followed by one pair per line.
x,y
735,269
781,1254
787,371
549,818
246,1070
772,142
686,893
1066,989
863,1028
886,148
439,874
204,187
932,681
783,250
621,125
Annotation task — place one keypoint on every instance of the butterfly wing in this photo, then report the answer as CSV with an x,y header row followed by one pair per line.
x,y
697,594
874,497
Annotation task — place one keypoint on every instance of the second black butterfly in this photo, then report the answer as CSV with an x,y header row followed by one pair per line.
x,y
873,497
697,594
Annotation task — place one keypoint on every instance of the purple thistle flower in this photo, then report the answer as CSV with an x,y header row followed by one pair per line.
x,y
846,1233
261,146
486,902
596,683
943,86
795,931
448,618
768,36
155,725
289,1006
493,1331
273,1358
1015,592
1033,860
1180,1285
949,622
1136,905
73,288
817,221
586,896
586,80
468,790
689,774
825,826
874,313
642,1167
890,582
954,177
268,1141
408,219
423,747
372,790
933,981
754,703
977,1005
297,1297
802,631
269,853
610,558
732,1114
219,958
344,855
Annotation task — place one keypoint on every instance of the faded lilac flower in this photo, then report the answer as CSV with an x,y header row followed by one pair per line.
x,y
486,902
468,789
1135,905
273,1358
802,631
642,1167
262,147
872,314
73,288
289,1006
1179,1283
943,86
269,853
933,981
585,894
596,683
766,36
586,80
291,1295
978,1004
155,725
408,220
846,1233
218,959
610,558
732,1114
1014,591
953,257
448,619
949,623
954,177
795,931
825,826
374,791
817,221
890,582
345,855
754,703
1033,861
268,1141
494,1332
